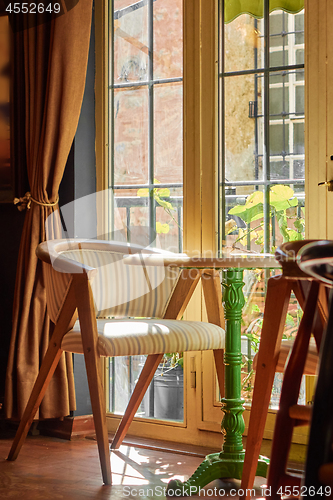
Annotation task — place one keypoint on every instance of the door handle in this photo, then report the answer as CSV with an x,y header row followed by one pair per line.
x,y
329,185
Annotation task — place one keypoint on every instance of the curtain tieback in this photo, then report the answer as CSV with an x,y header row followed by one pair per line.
x,y
25,202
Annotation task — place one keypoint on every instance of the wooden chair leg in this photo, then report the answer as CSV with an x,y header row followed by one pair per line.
x,y
284,424
319,470
48,366
182,293
211,283
89,334
277,300
146,376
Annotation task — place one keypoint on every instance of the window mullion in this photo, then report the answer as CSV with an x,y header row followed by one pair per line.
x,y
152,214
266,165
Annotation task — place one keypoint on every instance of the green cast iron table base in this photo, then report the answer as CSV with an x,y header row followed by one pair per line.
x,y
215,466
229,462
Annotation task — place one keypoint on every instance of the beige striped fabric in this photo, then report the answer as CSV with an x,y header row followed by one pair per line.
x,y
57,286
285,351
123,290
124,337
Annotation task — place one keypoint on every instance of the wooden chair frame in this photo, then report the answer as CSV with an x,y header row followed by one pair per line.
x,y
80,298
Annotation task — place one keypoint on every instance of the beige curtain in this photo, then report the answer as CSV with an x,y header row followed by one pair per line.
x,y
54,57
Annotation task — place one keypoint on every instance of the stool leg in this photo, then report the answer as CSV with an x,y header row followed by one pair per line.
x,y
289,394
277,300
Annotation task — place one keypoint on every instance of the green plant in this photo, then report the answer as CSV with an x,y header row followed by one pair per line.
x,y
282,206
171,360
159,195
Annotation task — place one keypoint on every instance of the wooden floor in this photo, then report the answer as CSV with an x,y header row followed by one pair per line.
x,y
50,468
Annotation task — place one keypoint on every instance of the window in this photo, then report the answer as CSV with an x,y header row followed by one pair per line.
x,y
145,173
146,117
262,126
261,149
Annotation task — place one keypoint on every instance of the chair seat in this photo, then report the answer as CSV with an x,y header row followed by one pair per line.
x,y
128,337
285,350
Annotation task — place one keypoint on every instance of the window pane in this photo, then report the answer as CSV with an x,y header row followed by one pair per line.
x,y
277,23
131,136
278,102
299,138
130,41
130,212
168,133
244,44
237,226
241,149
299,28
168,39
300,60
279,40
299,169
169,222
279,170
279,139
299,106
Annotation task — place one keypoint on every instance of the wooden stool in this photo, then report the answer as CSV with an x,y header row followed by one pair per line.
x,y
317,259
279,289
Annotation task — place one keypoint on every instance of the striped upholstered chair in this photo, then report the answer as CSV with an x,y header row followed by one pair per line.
x,y
122,310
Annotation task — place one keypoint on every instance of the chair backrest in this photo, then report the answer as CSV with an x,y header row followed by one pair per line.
x,y
119,289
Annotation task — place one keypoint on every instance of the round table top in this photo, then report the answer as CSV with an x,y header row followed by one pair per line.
x,y
232,260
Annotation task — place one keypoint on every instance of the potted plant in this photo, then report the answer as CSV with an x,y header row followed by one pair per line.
x,y
168,388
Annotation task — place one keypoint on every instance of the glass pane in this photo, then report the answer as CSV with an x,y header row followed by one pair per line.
x,y
168,39
131,136
277,24
164,398
169,220
281,26
279,169
242,151
130,41
299,28
278,102
299,138
240,228
168,133
299,169
131,216
300,60
299,98
279,139
244,44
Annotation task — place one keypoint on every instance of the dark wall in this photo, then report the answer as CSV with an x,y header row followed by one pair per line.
x,y
11,224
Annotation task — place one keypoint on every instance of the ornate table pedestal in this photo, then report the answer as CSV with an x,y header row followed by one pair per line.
x,y
229,462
